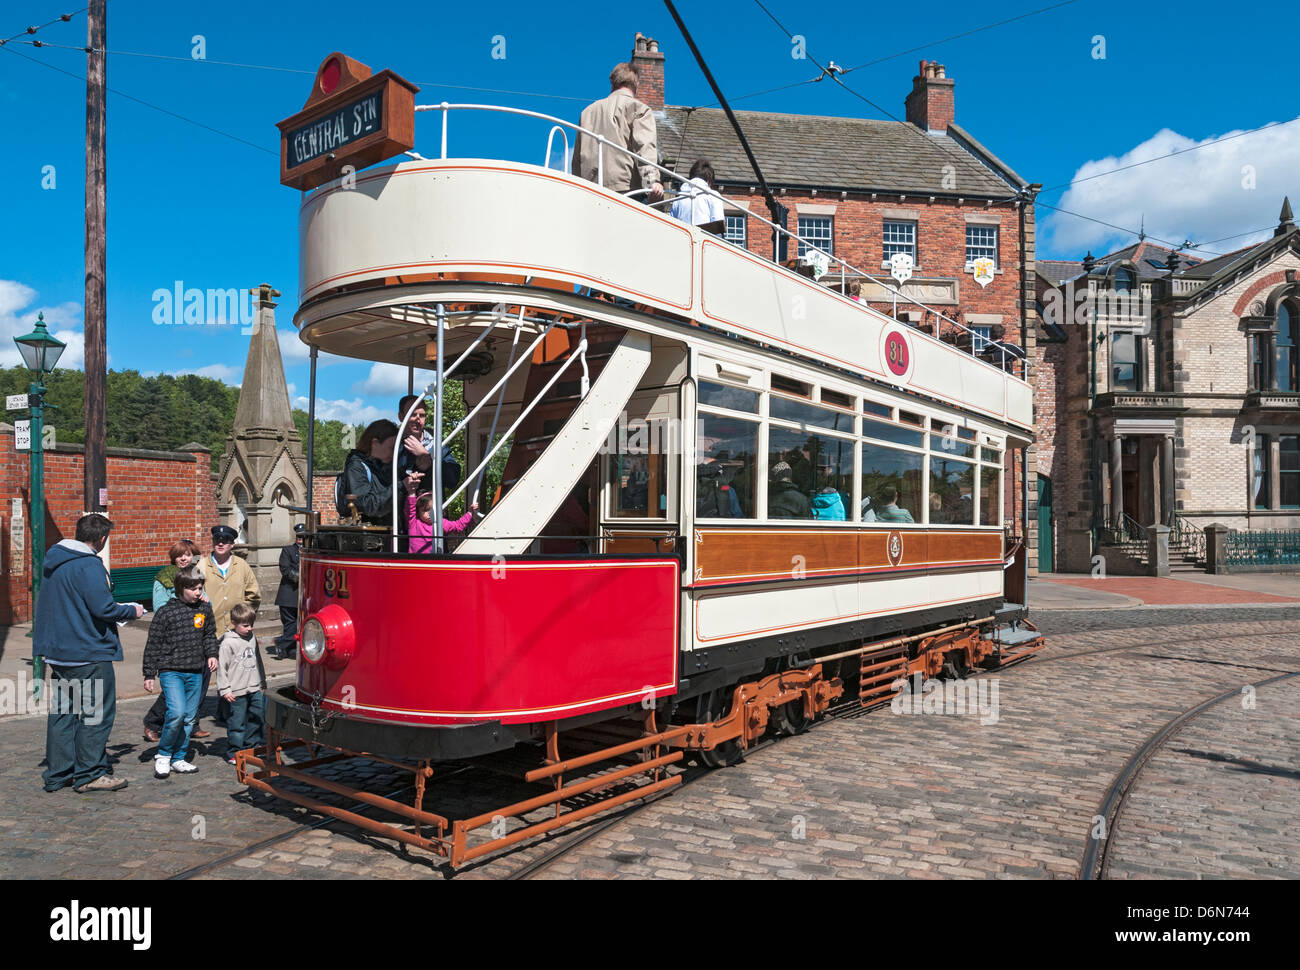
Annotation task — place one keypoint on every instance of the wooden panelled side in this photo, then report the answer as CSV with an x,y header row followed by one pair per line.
x,y
740,555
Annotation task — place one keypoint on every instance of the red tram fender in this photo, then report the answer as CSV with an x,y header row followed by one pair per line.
x,y
453,641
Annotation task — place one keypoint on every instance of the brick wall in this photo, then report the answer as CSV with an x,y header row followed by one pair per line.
x,y
154,498
322,496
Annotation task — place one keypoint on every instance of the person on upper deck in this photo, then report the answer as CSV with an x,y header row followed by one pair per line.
x,y
368,473
889,511
697,204
627,123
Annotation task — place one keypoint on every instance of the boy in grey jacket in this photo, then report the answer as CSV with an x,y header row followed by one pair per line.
x,y
241,680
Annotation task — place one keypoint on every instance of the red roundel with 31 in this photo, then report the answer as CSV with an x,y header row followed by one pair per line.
x,y
898,356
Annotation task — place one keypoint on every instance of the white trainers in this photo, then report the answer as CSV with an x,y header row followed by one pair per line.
x,y
183,767
162,767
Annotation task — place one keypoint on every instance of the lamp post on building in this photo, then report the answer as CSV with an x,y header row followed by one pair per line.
x,y
40,352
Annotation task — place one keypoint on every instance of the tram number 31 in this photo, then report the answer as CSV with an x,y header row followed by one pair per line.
x,y
336,583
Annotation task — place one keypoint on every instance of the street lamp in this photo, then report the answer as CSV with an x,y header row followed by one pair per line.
x,y
40,352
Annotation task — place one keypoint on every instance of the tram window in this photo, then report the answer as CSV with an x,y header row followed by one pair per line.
x,y
948,445
991,454
638,486
907,417
892,433
787,385
724,467
784,409
836,399
990,496
880,410
952,490
810,476
891,484
731,398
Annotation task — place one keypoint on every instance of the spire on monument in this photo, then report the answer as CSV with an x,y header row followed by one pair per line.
x,y
263,393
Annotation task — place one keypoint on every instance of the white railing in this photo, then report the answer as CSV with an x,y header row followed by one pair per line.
x,y
1016,360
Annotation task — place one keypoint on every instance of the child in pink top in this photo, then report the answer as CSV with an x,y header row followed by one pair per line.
x,y
419,514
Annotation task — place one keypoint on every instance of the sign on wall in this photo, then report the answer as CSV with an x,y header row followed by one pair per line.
x,y
983,270
22,435
350,119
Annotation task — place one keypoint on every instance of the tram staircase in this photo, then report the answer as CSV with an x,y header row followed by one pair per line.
x,y
540,427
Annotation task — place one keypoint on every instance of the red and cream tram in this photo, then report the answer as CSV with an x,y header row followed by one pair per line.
x,y
731,495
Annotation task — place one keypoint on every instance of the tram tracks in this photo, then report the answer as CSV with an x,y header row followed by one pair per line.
x,y
1112,804
1096,855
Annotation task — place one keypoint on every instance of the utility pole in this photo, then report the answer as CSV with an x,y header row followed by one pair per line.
x,y
96,475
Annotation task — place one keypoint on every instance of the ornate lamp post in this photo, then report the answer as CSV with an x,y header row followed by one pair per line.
x,y
40,352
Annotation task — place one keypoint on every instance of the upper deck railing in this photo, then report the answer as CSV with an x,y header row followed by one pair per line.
x,y
1010,360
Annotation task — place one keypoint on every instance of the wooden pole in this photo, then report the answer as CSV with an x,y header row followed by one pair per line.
x,y
95,315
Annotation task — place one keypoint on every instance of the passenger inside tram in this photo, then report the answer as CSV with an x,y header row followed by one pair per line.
x,y
714,495
889,510
784,500
368,473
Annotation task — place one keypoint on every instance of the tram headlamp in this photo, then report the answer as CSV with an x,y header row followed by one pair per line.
x,y
313,641
328,637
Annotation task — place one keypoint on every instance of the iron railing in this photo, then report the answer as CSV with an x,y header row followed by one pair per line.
x,y
1005,357
1126,532
1186,538
1264,547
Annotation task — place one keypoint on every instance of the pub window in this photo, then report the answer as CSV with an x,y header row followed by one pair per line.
x,y
1289,471
899,237
1259,472
1259,354
736,231
819,231
1285,352
981,241
1124,362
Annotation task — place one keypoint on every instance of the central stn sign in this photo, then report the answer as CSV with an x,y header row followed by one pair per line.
x,y
351,118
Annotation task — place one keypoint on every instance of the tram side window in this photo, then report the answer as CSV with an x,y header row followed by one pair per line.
x,y
891,484
724,467
990,494
810,475
638,486
952,491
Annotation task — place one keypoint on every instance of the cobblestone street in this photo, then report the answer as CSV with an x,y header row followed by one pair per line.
x,y
877,795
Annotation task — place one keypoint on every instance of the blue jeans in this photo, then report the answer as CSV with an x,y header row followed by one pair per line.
x,y
181,689
245,727
83,703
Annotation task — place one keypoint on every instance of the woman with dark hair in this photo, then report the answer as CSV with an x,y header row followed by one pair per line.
x,y
696,203
368,473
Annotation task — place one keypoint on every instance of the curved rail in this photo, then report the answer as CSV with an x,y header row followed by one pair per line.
x,y
1095,854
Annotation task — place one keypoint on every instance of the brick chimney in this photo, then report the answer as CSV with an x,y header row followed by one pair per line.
x,y
649,64
930,105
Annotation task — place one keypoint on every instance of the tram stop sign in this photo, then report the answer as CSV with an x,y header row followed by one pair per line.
x,y
351,118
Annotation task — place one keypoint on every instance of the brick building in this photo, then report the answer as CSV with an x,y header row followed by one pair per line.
x,y
862,190
154,498
1169,395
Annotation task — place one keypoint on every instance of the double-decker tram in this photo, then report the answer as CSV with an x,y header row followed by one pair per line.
x,y
726,497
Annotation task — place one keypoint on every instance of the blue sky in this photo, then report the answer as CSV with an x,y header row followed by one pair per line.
x,y
191,205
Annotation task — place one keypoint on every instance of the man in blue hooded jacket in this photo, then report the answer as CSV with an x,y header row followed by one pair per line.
x,y
76,632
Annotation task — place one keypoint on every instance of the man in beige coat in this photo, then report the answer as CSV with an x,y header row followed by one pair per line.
x,y
625,121
227,580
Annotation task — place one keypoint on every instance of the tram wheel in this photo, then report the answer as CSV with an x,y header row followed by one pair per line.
x,y
790,719
729,752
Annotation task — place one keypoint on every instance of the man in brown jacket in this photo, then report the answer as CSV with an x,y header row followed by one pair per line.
x,y
626,122
227,580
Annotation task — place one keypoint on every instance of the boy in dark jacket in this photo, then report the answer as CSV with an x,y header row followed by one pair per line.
x,y
76,633
182,642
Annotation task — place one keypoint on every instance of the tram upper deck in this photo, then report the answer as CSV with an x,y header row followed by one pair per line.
x,y
381,248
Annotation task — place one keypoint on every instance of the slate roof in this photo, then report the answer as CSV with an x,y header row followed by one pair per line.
x,y
1210,267
1058,271
814,151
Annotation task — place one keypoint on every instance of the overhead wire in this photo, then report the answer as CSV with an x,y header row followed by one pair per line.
x,y
61,19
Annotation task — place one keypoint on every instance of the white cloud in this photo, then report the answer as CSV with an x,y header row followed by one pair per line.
x,y
63,322
349,412
292,350
221,372
1220,190
389,380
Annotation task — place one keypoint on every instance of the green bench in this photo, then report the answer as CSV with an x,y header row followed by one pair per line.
x,y
134,584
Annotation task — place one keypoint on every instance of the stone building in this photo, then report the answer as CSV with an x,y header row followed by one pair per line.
x,y
1168,395
864,189
263,466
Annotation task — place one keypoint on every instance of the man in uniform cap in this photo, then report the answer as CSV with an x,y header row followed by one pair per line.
x,y
227,580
